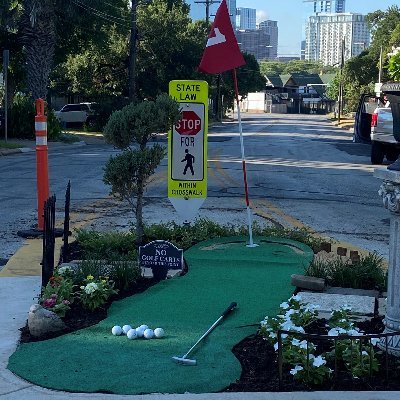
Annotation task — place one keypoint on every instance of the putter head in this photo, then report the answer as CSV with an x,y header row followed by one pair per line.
x,y
184,361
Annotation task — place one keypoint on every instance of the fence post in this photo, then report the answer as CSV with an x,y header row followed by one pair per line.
x,y
48,239
65,251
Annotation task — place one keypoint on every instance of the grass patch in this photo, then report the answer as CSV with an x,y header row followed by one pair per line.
x,y
9,145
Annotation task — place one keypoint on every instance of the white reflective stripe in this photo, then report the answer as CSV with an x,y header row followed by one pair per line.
x,y
40,126
41,140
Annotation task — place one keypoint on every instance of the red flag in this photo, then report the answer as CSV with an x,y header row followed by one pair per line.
x,y
222,51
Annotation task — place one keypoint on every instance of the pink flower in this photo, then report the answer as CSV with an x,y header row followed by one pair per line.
x,y
66,302
49,303
54,296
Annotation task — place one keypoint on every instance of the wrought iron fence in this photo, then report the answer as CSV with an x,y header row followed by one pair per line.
x,y
359,340
48,239
66,232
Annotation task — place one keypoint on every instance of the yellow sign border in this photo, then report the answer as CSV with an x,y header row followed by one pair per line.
x,y
189,91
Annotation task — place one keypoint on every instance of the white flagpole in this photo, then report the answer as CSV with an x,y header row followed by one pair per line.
x,y
249,214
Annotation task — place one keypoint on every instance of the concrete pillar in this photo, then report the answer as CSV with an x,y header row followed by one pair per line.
x,y
390,193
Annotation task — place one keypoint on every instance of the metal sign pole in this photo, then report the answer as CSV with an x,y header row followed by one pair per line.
x,y
6,54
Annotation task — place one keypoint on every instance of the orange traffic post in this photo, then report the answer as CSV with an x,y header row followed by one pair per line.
x,y
42,174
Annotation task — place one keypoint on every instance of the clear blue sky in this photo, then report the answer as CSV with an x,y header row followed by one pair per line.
x,y
292,15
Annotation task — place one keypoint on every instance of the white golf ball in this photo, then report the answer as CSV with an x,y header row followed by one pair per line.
x,y
148,333
144,327
126,328
139,332
131,334
116,330
159,333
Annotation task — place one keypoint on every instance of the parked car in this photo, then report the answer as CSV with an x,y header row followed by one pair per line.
x,y
362,121
81,113
383,142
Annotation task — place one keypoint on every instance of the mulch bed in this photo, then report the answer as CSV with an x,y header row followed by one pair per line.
x,y
257,357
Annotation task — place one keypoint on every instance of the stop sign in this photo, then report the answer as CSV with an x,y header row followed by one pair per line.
x,y
189,124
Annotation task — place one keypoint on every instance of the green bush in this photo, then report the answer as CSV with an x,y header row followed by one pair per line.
x,y
22,119
368,273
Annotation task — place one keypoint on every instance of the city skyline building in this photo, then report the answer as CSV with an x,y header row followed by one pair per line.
x,y
255,42
325,33
271,28
329,6
246,18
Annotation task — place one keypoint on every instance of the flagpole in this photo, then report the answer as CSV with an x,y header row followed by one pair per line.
x,y
246,190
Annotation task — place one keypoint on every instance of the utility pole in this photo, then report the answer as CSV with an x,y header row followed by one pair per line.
x,y
132,53
340,106
6,57
207,3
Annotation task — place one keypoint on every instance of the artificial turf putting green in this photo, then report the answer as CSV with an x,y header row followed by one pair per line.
x,y
220,271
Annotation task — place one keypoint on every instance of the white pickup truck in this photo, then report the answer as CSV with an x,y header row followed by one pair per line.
x,y
383,142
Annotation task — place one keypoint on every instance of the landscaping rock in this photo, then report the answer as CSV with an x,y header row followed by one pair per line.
x,y
308,282
42,321
351,291
360,305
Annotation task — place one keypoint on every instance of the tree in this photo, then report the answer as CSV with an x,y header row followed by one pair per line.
x,y
130,129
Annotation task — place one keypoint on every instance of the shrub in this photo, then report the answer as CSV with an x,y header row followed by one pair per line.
x,y
22,119
107,245
58,295
95,292
367,273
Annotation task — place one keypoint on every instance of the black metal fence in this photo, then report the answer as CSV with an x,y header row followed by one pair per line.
x,y
66,232
323,341
50,232
48,239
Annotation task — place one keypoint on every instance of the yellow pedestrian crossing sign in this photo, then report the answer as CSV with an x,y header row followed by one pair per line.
x,y
187,147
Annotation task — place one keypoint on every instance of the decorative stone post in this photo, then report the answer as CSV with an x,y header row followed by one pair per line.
x,y
390,193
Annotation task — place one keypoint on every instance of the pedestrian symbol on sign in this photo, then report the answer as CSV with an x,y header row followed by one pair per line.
x,y
189,158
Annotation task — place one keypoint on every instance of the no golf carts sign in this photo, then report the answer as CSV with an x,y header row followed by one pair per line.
x,y
187,148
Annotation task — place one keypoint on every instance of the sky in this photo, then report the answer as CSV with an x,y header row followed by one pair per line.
x,y
292,15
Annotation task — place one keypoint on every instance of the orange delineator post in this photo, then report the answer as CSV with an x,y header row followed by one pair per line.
x,y
42,174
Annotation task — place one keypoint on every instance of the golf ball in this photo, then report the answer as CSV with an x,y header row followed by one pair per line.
x,y
148,333
159,333
144,327
116,330
131,334
139,332
126,328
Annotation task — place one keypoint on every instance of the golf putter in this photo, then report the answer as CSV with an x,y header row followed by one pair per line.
x,y
187,361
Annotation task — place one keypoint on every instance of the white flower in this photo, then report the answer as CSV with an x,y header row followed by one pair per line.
x,y
374,341
290,312
296,298
318,361
284,305
296,342
91,288
296,369
298,329
354,332
64,269
303,344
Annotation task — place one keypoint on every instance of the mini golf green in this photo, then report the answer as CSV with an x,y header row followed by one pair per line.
x,y
220,271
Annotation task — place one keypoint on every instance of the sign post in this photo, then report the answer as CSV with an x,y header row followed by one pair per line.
x,y
187,148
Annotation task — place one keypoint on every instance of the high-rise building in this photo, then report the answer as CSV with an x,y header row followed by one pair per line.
x,y
254,41
326,32
271,28
232,11
329,6
245,18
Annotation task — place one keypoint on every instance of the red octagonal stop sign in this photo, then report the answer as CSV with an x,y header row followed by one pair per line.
x,y
189,124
